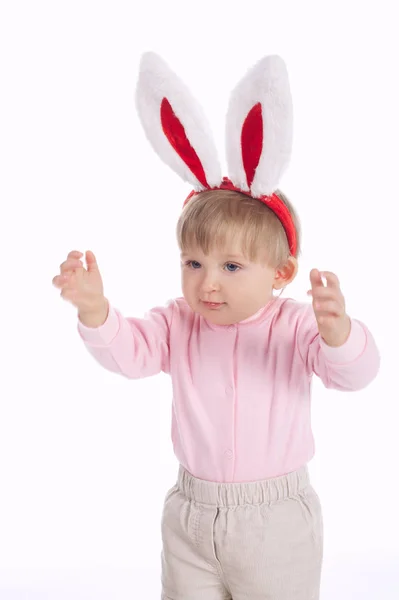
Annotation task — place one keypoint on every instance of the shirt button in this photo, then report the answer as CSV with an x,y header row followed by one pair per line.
x,y
228,454
229,389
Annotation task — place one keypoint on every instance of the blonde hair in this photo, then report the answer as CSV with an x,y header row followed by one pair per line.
x,y
216,217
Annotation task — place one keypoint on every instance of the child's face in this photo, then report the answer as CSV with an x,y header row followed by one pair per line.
x,y
237,287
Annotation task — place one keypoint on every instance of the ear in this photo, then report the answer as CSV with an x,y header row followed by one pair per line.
x,y
259,128
286,274
175,124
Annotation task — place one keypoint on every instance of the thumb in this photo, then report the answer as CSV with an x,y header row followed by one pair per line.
x,y
91,262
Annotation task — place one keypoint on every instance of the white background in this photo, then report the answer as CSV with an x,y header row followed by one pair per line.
x,y
85,455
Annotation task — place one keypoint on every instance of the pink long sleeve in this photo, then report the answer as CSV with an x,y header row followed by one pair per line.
x,y
132,347
350,367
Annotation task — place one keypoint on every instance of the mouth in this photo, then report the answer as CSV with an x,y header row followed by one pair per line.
x,y
212,305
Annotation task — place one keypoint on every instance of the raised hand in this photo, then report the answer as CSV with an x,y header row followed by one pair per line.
x,y
329,308
83,287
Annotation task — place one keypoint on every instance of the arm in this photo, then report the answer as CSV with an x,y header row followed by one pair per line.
x,y
132,347
349,367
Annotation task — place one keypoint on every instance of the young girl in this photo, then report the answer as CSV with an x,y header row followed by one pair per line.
x,y
243,521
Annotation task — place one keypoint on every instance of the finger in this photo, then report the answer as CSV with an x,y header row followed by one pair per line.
x,y
315,279
332,279
70,265
329,307
75,254
91,261
326,293
59,280
64,282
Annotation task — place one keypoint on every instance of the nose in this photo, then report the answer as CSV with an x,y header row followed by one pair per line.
x,y
210,282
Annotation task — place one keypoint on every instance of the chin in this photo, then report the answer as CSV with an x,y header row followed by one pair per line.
x,y
213,314
219,316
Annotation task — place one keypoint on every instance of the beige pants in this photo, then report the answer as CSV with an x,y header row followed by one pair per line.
x,y
242,541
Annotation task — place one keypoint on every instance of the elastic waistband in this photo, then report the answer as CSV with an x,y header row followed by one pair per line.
x,y
235,494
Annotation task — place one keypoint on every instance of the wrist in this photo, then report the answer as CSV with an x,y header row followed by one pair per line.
x,y
95,317
338,338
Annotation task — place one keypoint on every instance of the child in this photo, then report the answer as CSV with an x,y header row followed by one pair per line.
x,y
243,521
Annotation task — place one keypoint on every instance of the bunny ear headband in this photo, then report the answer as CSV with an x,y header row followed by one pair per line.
x,y
258,132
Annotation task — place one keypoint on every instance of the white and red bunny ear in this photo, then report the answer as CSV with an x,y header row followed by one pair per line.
x,y
175,124
259,128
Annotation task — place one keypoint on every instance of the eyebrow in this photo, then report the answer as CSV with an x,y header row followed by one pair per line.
x,y
226,256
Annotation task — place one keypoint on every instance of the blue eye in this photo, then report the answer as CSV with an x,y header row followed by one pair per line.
x,y
232,268
194,264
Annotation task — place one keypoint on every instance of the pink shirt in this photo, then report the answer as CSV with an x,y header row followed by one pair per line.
x,y
241,393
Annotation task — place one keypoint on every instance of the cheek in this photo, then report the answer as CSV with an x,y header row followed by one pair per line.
x,y
251,288
238,284
188,281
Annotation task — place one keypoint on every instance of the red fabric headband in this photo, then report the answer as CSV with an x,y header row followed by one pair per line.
x,y
273,202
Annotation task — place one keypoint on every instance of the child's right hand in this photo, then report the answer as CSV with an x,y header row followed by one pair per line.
x,y
82,287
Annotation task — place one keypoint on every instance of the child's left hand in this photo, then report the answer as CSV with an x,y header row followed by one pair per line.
x,y
329,307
